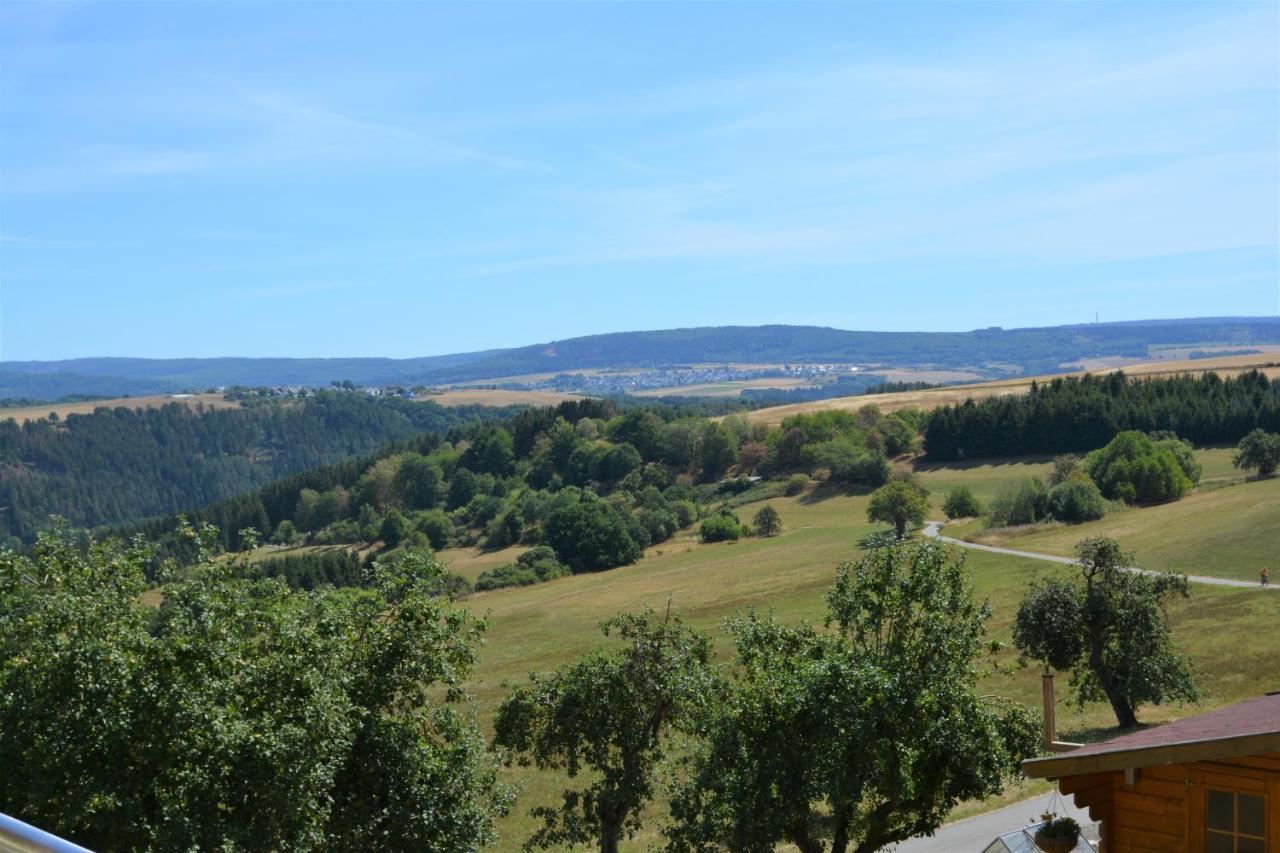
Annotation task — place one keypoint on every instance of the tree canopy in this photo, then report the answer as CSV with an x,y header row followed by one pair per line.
x,y
900,503
1133,467
1259,450
1110,629
608,714
240,714
884,726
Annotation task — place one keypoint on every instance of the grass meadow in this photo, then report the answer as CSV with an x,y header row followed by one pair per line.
x,y
1229,632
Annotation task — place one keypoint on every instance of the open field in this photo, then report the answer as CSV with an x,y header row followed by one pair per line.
x,y
496,397
724,389
1268,363
1229,532
735,388
536,628
470,562
22,414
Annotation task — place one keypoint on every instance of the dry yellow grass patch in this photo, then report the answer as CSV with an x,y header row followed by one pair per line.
x,y
22,414
1268,363
497,397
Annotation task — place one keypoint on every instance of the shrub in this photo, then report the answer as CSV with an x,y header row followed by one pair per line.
x,y
847,461
504,530
437,527
590,535
533,566
685,512
1134,468
724,526
962,503
796,484
286,533
1064,467
658,523
1021,502
1074,501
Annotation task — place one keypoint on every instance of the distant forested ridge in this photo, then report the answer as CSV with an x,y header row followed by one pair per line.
x,y
1076,414
119,464
1033,350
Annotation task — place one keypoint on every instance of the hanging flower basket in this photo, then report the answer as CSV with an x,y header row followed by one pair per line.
x,y
1058,836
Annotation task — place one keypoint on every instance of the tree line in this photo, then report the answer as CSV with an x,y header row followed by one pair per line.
x,y
1078,414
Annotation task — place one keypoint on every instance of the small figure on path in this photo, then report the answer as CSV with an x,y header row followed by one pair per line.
x,y
1265,576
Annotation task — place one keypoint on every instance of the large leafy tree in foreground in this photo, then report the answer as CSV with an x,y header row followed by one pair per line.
x,y
240,714
860,736
1110,629
608,714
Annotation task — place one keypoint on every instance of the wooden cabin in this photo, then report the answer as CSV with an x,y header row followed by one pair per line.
x,y
1205,784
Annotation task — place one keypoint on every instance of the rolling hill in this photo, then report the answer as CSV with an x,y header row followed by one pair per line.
x,y
1010,351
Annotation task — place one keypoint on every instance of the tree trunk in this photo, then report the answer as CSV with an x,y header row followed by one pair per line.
x,y
800,837
840,838
900,528
608,838
1125,715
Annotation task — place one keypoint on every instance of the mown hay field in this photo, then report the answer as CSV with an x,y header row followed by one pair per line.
x,y
22,414
1267,362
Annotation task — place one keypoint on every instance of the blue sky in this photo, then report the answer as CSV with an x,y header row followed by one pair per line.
x,y
242,178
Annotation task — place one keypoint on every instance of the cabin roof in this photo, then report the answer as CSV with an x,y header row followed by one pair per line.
x,y
1251,727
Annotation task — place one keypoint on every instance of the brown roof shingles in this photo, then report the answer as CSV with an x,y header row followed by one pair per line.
x,y
1250,717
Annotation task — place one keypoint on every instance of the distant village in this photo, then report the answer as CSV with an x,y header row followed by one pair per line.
x,y
602,384
622,382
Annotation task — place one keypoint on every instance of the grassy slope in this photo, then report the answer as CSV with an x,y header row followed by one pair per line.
x,y
1229,528
1229,532
536,628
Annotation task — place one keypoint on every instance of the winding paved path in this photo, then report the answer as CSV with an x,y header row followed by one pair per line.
x,y
931,529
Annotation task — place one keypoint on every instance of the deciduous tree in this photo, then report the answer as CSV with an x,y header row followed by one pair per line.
x,y
859,737
1259,450
608,714
240,714
900,503
767,521
1110,629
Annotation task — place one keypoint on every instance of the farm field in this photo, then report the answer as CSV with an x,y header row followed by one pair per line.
x,y
1228,631
22,414
1268,363
496,397
724,389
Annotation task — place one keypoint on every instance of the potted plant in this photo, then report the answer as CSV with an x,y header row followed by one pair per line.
x,y
1058,835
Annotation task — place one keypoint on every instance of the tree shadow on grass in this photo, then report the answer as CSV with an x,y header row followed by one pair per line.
x,y
834,489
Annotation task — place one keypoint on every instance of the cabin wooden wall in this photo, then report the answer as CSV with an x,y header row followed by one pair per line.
x,y
1163,811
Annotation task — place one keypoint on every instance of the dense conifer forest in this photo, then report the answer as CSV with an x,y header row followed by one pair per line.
x,y
119,465
1071,414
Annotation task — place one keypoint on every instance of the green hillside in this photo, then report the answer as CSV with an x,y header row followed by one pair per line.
x,y
1227,631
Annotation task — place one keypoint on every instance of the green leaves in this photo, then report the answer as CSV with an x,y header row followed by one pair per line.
x,y
900,503
608,714
240,714
1110,630
857,737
